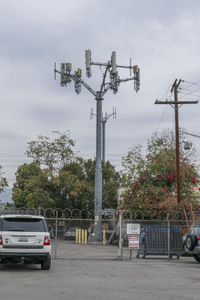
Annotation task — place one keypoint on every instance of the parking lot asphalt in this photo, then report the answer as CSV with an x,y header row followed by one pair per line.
x,y
94,272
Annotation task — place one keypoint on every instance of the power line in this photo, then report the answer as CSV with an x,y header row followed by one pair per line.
x,y
166,95
191,83
161,119
192,89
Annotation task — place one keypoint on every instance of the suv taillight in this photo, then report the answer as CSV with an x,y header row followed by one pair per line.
x,y
1,241
47,241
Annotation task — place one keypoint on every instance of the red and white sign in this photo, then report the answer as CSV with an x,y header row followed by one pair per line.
x,y
133,241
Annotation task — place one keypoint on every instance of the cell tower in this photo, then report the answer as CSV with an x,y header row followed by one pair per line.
x,y
110,70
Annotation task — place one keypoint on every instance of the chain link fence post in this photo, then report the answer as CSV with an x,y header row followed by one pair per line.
x,y
120,249
168,238
56,235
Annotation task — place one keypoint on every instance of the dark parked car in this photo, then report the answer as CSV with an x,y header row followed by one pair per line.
x,y
70,234
191,242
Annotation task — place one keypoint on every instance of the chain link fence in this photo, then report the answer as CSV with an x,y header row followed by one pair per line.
x,y
161,232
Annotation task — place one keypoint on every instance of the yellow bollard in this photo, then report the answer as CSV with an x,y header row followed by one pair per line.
x,y
86,237
104,237
82,236
79,236
76,235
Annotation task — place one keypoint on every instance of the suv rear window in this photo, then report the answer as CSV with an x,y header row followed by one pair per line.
x,y
23,224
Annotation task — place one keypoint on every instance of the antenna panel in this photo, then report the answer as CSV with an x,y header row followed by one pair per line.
x,y
88,62
113,63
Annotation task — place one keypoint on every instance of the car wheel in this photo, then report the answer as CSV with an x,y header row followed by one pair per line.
x,y
184,248
190,242
197,258
46,264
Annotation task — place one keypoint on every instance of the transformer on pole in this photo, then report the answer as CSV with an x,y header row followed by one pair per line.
x,y
110,71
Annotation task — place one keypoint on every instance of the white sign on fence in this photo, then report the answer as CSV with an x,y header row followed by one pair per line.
x,y
133,229
133,241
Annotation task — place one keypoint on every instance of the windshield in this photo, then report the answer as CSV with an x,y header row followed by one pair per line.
x,y
23,224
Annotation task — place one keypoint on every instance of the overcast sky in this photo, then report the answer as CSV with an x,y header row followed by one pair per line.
x,y
161,36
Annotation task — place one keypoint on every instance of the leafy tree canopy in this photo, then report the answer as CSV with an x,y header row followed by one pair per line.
x,y
150,179
57,177
52,154
31,188
3,181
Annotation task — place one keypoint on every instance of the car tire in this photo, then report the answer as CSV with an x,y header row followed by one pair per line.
x,y
191,242
197,258
46,264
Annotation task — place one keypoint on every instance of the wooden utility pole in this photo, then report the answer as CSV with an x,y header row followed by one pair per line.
x,y
175,104
175,90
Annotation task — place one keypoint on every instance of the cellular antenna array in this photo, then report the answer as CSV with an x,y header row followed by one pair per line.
x,y
111,71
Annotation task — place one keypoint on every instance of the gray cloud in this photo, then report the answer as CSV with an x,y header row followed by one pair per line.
x,y
161,36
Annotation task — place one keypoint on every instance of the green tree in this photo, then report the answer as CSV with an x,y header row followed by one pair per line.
x,y
110,185
76,181
59,178
32,187
52,154
150,180
3,181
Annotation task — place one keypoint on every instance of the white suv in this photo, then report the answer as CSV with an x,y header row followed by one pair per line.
x,y
25,239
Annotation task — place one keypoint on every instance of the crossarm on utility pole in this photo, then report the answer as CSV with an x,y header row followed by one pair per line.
x,y
173,102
